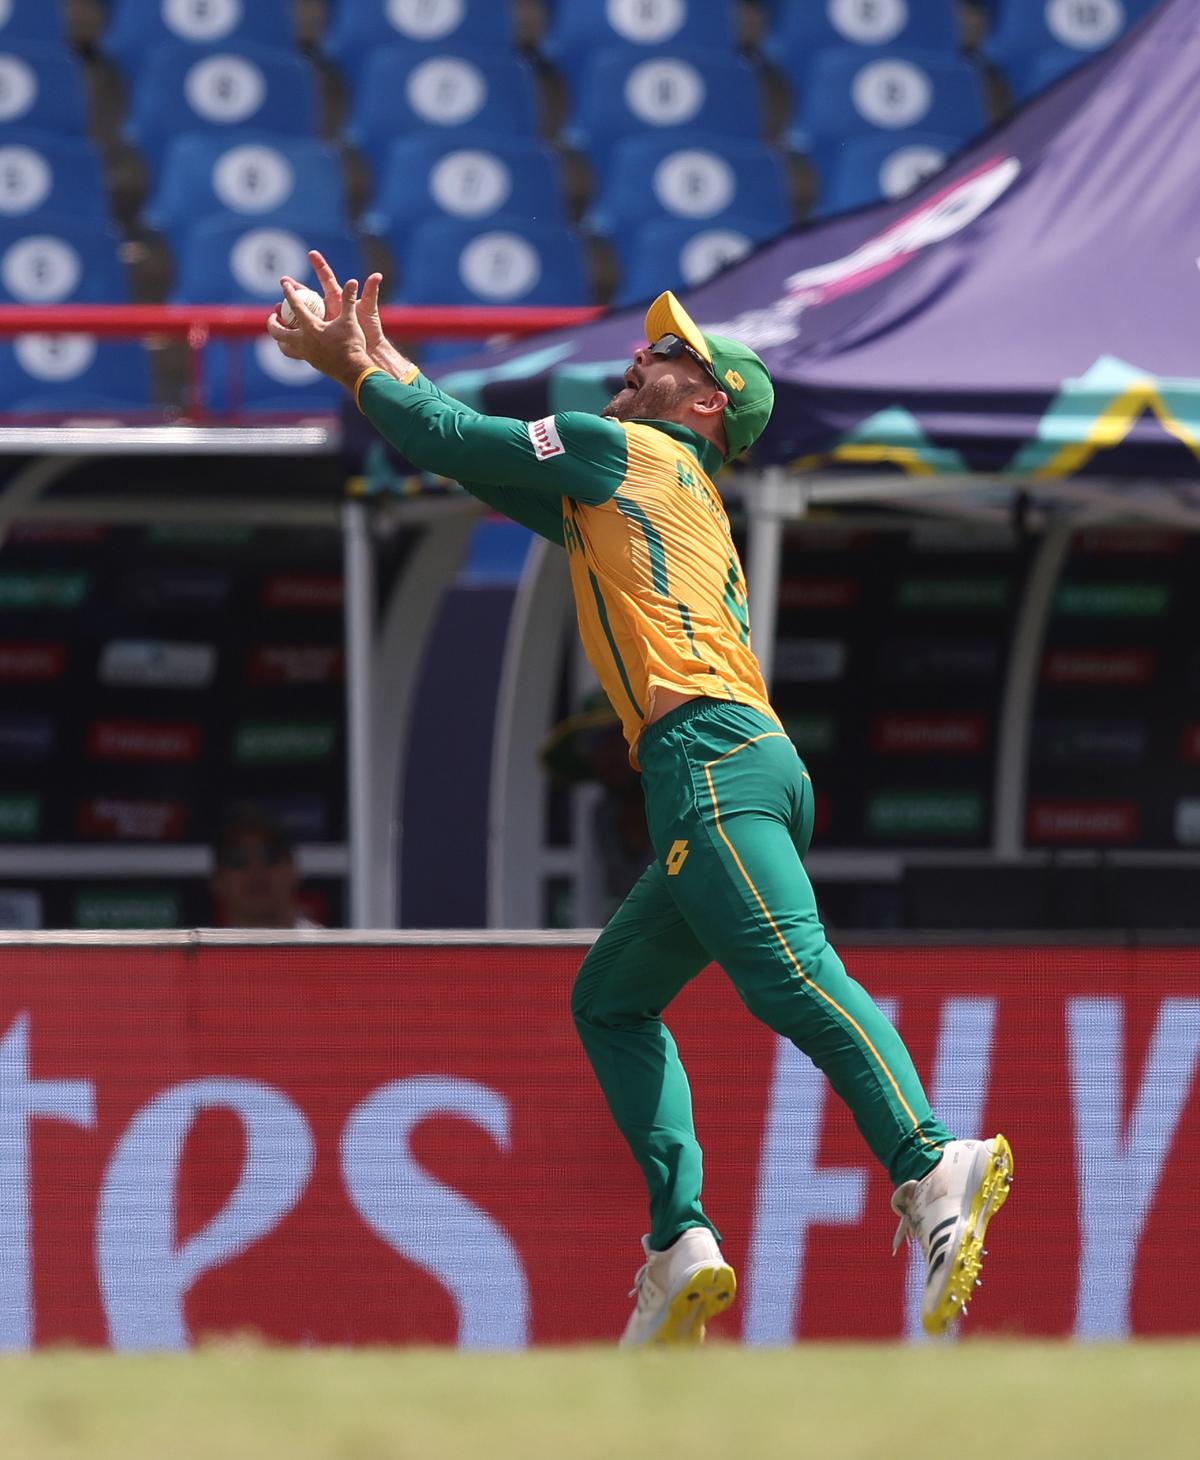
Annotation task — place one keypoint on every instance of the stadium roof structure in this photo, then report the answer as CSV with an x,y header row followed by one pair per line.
x,y
1022,323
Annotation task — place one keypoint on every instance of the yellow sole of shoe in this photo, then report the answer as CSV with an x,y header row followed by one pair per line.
x,y
710,1291
967,1263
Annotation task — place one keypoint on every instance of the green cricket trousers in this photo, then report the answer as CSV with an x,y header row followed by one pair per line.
x,y
730,811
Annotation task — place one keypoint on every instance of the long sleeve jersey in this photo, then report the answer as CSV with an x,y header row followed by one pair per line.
x,y
659,589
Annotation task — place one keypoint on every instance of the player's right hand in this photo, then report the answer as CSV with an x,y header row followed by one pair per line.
x,y
368,304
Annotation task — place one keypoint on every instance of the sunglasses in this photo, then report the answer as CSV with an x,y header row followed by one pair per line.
x,y
241,857
670,347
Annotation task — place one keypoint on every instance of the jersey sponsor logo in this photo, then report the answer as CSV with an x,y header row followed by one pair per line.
x,y
545,438
676,857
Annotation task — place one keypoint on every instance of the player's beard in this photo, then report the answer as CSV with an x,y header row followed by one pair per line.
x,y
653,400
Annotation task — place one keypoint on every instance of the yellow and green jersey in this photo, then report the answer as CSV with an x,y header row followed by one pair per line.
x,y
659,589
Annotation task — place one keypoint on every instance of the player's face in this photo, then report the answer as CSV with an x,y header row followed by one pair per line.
x,y
658,389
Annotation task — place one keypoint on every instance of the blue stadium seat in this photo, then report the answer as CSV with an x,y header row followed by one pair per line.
x,y
137,26
500,261
797,31
887,165
582,27
227,260
252,376
701,179
45,175
43,374
179,89
42,87
464,175
674,253
623,93
1021,30
358,27
1028,75
61,261
405,89
845,94
31,20
292,180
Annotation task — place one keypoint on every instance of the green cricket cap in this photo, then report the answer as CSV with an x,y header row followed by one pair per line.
x,y
743,376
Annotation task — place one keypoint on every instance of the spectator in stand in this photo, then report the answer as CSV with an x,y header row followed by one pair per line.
x,y
255,881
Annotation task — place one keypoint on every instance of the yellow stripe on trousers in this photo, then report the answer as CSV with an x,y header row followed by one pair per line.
x,y
816,988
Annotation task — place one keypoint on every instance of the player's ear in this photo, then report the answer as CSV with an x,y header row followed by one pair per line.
x,y
711,403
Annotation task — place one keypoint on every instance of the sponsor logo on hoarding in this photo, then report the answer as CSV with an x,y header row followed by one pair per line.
x,y
930,660
26,737
304,818
1099,666
29,662
76,534
157,664
1095,742
810,660
817,594
20,909
130,819
1148,542
295,664
197,590
1191,744
811,734
144,740
1187,821
1112,600
42,590
128,908
303,591
20,815
199,534
950,814
1083,821
929,734
328,1147
283,742
968,595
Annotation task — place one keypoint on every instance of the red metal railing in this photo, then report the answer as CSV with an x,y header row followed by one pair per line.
x,y
196,324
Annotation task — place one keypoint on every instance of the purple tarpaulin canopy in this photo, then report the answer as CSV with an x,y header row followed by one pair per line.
x,y
1031,310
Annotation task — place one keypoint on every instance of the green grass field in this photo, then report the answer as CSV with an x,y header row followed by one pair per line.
x,y
833,1402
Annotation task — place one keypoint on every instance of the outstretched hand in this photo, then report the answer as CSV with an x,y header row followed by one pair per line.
x,y
368,304
336,345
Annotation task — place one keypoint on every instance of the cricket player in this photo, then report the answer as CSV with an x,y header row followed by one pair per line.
x,y
661,603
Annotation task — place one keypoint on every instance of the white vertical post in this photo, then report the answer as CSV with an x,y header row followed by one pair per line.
x,y
1020,690
768,502
359,619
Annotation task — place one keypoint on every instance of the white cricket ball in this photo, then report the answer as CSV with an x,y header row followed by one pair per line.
x,y
311,300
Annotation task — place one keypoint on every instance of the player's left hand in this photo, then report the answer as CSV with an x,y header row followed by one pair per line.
x,y
336,347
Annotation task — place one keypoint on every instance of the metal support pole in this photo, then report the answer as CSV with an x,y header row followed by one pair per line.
x,y
768,503
1020,690
359,590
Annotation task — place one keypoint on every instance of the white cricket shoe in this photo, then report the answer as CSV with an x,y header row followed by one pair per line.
x,y
947,1212
679,1290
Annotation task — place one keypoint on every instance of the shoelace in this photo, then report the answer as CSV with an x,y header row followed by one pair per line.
x,y
636,1290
